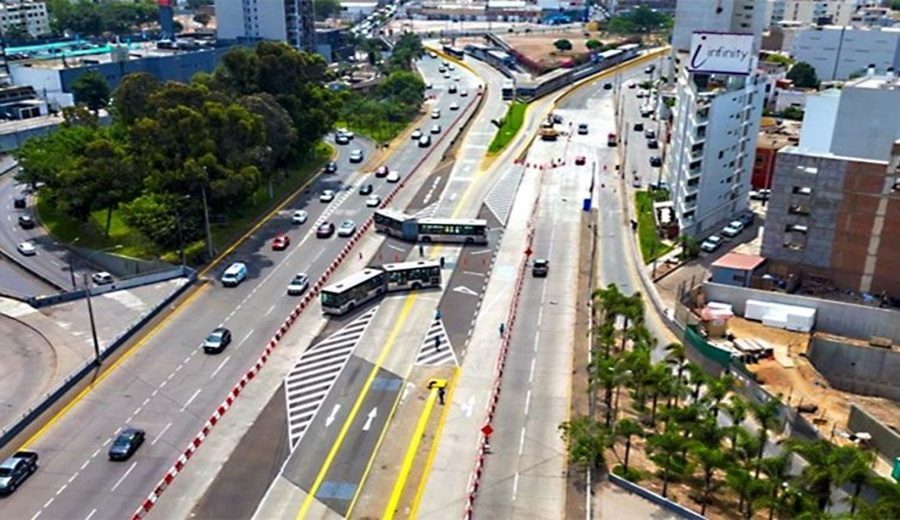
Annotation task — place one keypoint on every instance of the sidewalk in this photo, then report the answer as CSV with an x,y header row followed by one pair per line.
x,y
446,491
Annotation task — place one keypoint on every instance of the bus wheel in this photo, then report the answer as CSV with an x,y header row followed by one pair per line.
x,y
352,306
469,240
416,286
426,240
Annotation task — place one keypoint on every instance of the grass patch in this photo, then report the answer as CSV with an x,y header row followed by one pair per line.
x,y
515,116
652,246
382,132
91,234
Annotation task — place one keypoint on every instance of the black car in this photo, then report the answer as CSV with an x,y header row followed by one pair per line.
x,y
128,441
607,86
16,470
639,127
217,340
365,189
26,221
341,139
19,202
331,167
540,268
325,230
653,144
655,161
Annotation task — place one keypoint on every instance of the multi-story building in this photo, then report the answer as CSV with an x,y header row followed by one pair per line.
x,y
837,53
837,12
291,21
24,15
715,119
835,217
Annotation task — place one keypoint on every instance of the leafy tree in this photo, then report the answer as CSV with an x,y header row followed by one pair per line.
x,y
776,470
42,158
792,113
586,439
803,75
91,89
709,458
628,428
593,45
327,8
887,505
280,132
780,59
665,449
766,415
403,87
640,20
131,99
407,49
895,5
17,33
563,45
105,168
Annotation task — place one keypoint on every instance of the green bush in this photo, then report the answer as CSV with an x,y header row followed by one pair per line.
x,y
515,116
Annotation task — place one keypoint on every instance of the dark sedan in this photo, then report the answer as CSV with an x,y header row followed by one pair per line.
x,y
128,442
325,230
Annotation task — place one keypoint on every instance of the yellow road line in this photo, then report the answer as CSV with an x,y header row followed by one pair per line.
x,y
432,453
332,454
400,483
106,373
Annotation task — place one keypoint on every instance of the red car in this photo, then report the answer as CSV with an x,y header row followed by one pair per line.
x,y
382,171
580,160
325,230
281,242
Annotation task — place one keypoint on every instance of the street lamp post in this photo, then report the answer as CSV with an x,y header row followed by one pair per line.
x,y
87,292
71,265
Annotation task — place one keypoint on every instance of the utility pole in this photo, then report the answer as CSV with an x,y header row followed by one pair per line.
x,y
87,292
209,244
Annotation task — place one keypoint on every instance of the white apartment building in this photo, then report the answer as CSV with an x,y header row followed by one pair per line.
x,y
291,21
24,14
859,120
839,52
837,12
715,119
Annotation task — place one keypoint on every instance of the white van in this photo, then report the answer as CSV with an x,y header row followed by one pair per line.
x,y
234,275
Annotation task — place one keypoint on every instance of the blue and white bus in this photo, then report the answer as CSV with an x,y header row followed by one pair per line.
x,y
369,284
467,231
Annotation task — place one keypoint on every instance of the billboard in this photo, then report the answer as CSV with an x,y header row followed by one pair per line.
x,y
725,53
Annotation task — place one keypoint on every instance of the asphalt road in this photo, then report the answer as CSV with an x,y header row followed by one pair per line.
x,y
168,386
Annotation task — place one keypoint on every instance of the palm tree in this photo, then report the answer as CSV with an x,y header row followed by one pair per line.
x,y
821,472
716,391
658,382
664,451
608,372
710,458
697,377
628,428
887,505
857,471
737,410
776,470
637,362
586,439
631,308
766,414
675,355
739,480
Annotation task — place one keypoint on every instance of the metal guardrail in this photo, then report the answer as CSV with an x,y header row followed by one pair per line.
x,y
659,500
51,397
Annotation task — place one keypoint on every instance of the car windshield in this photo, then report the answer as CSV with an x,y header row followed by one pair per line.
x,y
215,337
299,279
5,472
122,440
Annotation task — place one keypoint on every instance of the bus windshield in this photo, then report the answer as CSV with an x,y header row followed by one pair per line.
x,y
352,291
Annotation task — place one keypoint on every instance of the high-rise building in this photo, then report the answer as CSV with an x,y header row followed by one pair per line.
x,y
291,21
715,118
838,52
24,15
836,12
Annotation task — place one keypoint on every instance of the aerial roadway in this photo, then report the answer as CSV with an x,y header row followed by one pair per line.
x,y
166,385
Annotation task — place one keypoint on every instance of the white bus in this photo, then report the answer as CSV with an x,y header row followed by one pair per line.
x,y
404,276
467,231
353,291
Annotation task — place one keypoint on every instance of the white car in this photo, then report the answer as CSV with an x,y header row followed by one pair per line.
x,y
446,75
454,106
463,93
347,228
27,248
450,66
356,156
456,78
394,176
436,129
326,196
373,201
299,217
102,278
733,229
711,243
299,284
345,132
436,113
417,133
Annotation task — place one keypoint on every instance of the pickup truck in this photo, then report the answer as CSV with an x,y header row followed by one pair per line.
x,y
16,470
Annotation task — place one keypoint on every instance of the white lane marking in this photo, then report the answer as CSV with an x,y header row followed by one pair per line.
x,y
147,400
85,464
531,372
73,477
537,340
515,486
47,504
137,411
96,452
153,394
222,364
161,433
128,472
40,511
61,489
522,441
272,308
245,338
179,367
191,400
527,401
91,514
107,441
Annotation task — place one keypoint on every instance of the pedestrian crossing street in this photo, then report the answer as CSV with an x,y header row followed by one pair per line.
x,y
308,383
436,349
501,197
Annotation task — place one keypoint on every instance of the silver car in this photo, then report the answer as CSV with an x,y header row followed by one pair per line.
x,y
347,228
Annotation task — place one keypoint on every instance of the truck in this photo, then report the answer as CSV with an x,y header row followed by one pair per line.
x,y
547,131
16,469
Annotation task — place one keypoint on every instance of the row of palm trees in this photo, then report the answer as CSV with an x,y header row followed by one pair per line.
x,y
697,431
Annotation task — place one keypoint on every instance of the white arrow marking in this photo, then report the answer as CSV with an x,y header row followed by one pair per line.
x,y
372,415
409,387
469,406
330,419
465,290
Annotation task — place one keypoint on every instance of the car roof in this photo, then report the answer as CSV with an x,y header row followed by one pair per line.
x,y
219,330
130,431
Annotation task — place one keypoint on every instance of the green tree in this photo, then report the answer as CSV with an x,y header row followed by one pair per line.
x,y
92,90
803,75
131,99
822,472
107,172
766,415
777,470
563,45
640,20
327,8
895,5
741,482
780,59
586,439
736,408
407,49
710,458
593,45
627,429
665,450
403,87
279,130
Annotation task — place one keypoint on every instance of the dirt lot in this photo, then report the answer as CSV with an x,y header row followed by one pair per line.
x,y
539,47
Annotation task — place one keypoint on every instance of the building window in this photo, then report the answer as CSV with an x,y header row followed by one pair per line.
x,y
801,190
795,228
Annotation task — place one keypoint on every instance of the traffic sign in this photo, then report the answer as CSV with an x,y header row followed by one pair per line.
x,y
528,252
487,430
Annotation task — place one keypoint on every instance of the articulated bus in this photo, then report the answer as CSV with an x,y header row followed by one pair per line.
x,y
359,288
453,51
401,225
509,90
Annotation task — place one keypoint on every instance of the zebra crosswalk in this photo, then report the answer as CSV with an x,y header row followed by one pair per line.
x,y
308,383
428,211
501,197
436,349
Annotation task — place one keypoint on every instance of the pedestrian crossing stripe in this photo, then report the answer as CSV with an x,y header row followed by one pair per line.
x,y
436,349
310,380
428,211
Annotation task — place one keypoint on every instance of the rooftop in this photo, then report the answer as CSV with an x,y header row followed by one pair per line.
x,y
739,261
75,53
881,82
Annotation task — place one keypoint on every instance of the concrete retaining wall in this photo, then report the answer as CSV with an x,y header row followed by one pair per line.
x,y
138,281
665,503
120,266
884,439
843,319
857,369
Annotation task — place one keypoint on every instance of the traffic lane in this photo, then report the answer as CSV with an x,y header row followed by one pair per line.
x,y
611,246
19,283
